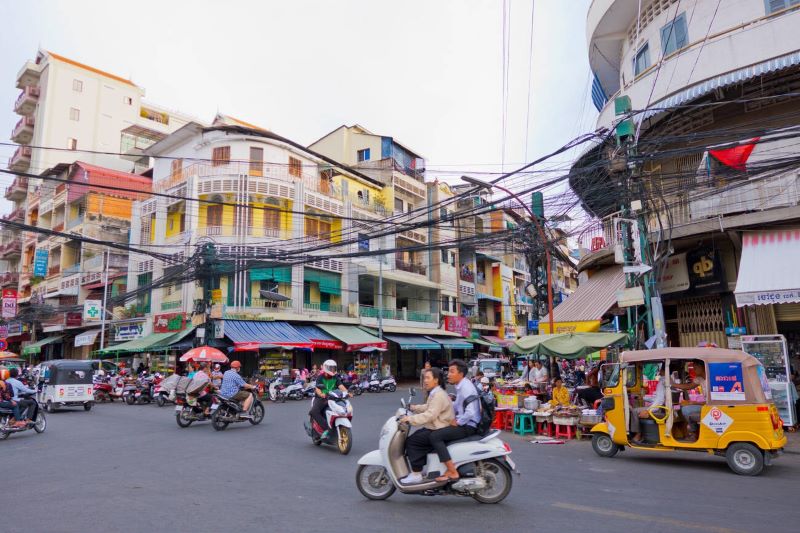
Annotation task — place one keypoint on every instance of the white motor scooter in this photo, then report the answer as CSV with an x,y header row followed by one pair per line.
x,y
483,464
339,414
389,383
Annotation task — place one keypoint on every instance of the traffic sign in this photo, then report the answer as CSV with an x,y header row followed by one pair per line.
x,y
3,345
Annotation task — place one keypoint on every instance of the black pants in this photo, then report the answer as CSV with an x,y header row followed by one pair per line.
x,y
441,437
317,412
205,401
590,395
14,409
32,408
418,445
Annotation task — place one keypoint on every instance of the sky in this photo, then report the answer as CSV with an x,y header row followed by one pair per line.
x,y
428,73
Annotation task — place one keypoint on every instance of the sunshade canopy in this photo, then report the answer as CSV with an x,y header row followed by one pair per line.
x,y
354,337
492,347
176,340
143,344
497,340
36,347
319,339
566,345
768,269
251,335
204,354
449,343
414,342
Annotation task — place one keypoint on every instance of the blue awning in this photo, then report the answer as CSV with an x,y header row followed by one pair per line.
x,y
482,296
252,335
414,342
318,337
452,343
731,78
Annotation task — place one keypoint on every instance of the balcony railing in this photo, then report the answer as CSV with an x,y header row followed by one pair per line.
x,y
26,101
53,270
73,222
9,278
18,188
411,267
23,130
319,307
11,249
210,231
21,159
269,304
368,311
72,269
59,226
600,234
17,215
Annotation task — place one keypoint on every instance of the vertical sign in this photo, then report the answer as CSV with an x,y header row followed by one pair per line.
x,y
9,303
40,262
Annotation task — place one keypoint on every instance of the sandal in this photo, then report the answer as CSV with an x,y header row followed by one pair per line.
x,y
445,477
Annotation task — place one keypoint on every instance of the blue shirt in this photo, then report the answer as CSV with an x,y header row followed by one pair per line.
x,y
470,416
17,387
231,383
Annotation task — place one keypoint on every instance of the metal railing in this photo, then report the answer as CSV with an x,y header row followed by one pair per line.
x,y
368,311
411,267
323,307
20,184
27,93
72,269
269,304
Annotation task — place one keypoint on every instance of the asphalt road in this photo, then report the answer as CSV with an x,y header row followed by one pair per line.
x,y
126,469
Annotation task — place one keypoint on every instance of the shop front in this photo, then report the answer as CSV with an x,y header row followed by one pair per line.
x,y
44,349
409,352
362,350
265,346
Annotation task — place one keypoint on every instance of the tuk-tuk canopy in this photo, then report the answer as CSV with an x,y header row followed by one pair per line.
x,y
68,372
566,345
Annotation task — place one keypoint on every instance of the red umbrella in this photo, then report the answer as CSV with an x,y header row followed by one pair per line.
x,y
204,354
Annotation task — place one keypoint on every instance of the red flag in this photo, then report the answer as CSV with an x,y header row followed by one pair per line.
x,y
735,157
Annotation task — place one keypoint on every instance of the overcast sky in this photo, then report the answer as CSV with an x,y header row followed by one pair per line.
x,y
428,73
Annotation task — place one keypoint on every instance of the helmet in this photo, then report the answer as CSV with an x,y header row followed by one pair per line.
x,y
329,367
236,365
4,374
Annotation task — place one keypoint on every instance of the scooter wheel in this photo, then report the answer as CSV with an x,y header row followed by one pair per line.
x,y
345,440
41,422
182,420
498,479
282,398
161,401
374,482
216,420
258,414
391,388
130,400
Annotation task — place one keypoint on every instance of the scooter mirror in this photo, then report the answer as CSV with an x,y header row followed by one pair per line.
x,y
403,402
412,392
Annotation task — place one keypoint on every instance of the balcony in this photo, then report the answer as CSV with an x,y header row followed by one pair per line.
x,y
23,131
17,215
9,279
59,226
17,190
319,307
26,101
72,269
53,270
367,311
210,231
411,267
21,159
28,75
74,223
11,249
270,304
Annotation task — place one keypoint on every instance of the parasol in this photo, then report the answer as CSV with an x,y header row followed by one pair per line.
x,y
204,354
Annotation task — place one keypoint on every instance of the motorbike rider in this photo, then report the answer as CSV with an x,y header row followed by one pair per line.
x,y
26,405
327,381
7,399
235,388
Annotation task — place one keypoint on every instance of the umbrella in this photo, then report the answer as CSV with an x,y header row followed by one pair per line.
x,y
6,356
204,354
566,345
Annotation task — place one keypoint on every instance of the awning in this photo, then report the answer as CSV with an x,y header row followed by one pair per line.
x,y
36,347
87,338
452,344
354,337
482,296
176,341
143,344
493,258
768,269
252,335
567,345
497,340
319,339
490,345
583,310
414,342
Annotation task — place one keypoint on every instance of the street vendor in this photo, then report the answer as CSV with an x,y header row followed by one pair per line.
x,y
539,375
560,394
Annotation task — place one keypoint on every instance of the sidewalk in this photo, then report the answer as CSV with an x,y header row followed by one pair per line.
x,y
792,442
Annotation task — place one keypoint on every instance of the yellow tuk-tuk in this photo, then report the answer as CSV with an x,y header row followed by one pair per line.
x,y
709,399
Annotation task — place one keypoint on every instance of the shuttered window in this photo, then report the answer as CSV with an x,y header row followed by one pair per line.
x,y
295,167
214,215
221,155
256,161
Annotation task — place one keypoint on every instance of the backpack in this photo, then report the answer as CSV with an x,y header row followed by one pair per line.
x,y
487,405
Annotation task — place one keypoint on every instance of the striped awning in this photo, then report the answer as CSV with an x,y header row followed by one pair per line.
x,y
768,268
252,335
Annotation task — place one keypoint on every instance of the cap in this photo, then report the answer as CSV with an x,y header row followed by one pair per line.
x,y
236,364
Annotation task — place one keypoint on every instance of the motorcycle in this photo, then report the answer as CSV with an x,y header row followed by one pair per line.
x,y
186,413
375,383
483,462
339,415
138,391
389,383
102,389
295,391
229,412
165,390
352,384
310,389
277,390
38,424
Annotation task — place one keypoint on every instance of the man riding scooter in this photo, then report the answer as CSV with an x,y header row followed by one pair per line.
x,y
327,381
235,388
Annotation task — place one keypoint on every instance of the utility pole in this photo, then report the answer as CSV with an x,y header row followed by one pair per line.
x,y
380,309
206,272
106,261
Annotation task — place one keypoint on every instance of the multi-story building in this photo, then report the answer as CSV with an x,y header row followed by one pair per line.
x,y
66,105
714,90
72,270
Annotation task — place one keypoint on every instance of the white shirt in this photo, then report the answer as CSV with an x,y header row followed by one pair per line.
x,y
539,375
659,398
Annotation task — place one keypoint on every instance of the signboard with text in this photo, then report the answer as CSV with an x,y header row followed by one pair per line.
x,y
168,323
9,303
127,332
674,276
40,259
457,324
725,381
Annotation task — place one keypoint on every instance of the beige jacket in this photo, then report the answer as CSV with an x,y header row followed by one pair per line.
x,y
436,413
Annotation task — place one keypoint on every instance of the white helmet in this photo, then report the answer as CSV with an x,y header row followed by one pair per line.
x,y
329,367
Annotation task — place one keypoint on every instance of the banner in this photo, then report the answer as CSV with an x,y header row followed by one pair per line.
x,y
168,323
725,381
40,259
9,303
457,324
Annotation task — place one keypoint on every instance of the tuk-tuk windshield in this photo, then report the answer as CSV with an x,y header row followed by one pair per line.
x,y
609,375
70,374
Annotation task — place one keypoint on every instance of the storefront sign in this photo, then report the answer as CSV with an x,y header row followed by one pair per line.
x,y
87,338
127,332
705,271
40,260
725,381
630,297
74,320
9,303
92,310
15,328
457,324
674,276
168,323
717,421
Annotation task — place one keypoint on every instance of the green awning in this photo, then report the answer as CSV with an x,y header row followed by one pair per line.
x,y
276,274
492,346
414,342
36,347
566,345
354,337
143,344
167,343
329,282
452,343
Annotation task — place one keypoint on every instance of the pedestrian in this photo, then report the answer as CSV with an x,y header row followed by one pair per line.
x,y
216,376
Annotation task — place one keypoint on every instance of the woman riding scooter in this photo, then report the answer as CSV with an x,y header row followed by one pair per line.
x,y
327,381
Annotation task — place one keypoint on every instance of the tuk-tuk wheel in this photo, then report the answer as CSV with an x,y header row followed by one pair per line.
x,y
50,406
87,406
745,459
603,445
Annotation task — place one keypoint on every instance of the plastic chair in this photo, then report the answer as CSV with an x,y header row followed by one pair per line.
x,y
544,428
499,419
508,420
523,423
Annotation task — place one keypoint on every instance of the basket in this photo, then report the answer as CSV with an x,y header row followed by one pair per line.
x,y
541,419
565,420
590,420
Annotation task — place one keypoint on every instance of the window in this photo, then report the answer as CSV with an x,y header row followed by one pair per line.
x,y
221,155
445,256
256,161
674,35
363,155
363,196
320,229
72,144
74,114
272,220
776,5
127,100
398,205
642,60
214,215
177,167
77,86
295,167
445,303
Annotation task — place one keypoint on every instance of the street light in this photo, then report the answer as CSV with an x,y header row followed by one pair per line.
x,y
489,186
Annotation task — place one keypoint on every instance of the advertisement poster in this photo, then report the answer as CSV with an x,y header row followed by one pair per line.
x,y
457,324
168,323
725,381
40,259
9,303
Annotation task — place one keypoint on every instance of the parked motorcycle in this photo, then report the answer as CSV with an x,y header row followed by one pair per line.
x,y
277,390
102,389
389,383
38,424
339,415
483,464
310,389
374,383
138,391
295,391
186,413
229,412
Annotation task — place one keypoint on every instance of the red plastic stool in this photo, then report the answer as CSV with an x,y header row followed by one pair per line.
x,y
499,419
508,420
565,431
544,428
